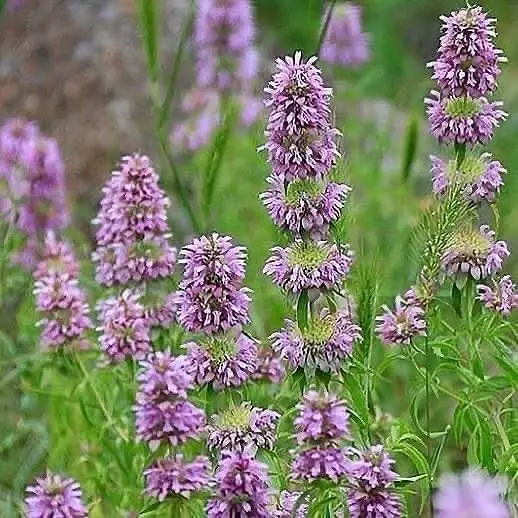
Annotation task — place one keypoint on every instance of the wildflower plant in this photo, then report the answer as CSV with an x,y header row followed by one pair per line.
x,y
186,394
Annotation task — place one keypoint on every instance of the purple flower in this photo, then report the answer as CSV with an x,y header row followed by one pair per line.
x,y
327,462
405,322
163,374
286,506
223,360
471,494
242,488
165,420
373,504
125,330
503,298
302,206
132,234
269,367
324,344
223,36
64,310
301,142
53,497
241,427
322,417
474,253
345,42
308,264
463,120
373,469
467,61
173,476
159,310
481,176
56,257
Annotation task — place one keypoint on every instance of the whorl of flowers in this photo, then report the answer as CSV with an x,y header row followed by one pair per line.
x,y
322,417
174,476
305,206
306,265
325,343
241,427
474,253
163,414
269,367
210,298
53,496
285,506
502,298
125,331
467,61
301,142
224,32
59,298
405,322
242,487
345,42
132,234
32,186
321,462
223,360
371,478
481,176
473,494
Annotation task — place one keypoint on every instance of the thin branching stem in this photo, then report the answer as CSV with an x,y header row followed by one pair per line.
x,y
323,32
428,420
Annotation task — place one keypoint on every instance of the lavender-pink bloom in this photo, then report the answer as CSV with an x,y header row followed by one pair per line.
x,y
373,504
159,309
304,205
474,253
472,494
223,36
269,367
309,264
167,421
325,343
463,120
242,488
56,257
243,426
345,42
502,298
315,463
54,497
373,469
405,322
467,60
481,176
322,417
223,360
173,476
285,507
125,330
162,374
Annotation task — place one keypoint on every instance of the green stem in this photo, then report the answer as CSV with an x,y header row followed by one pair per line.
x,y
323,32
428,420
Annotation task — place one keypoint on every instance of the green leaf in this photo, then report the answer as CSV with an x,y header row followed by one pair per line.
x,y
303,310
410,151
456,299
509,367
148,22
357,400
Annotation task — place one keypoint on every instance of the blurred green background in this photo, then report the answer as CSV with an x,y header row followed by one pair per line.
x,y
376,108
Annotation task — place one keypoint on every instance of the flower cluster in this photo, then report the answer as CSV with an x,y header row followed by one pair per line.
x,y
370,478
269,367
226,63
211,300
242,487
345,42
242,427
466,71
163,413
472,494
301,148
54,496
503,298
321,424
32,186
288,505
59,298
405,322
